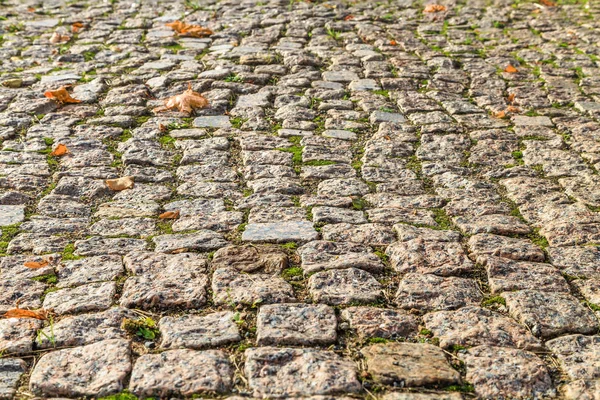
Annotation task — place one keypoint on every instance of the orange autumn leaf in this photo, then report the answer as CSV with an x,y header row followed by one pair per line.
x,y
548,3
510,69
162,128
393,43
513,109
348,17
36,264
30,9
61,95
76,27
60,150
511,98
21,313
59,38
118,184
184,29
169,215
185,102
499,114
432,8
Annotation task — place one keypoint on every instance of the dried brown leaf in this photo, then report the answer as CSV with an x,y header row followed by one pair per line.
x,y
59,38
125,182
511,98
433,8
185,102
61,95
36,264
184,29
499,114
510,69
60,150
21,313
76,27
169,215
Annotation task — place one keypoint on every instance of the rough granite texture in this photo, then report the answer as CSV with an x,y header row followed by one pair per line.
x,y
389,199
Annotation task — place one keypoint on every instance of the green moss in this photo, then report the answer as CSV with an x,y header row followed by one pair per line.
x,y
8,233
316,163
49,279
359,204
456,348
237,122
144,327
124,395
384,257
375,340
443,220
292,272
234,78
290,246
167,141
68,253
425,332
296,151
493,300
464,388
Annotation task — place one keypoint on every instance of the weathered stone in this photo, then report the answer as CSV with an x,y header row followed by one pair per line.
x,y
181,373
296,324
409,364
197,332
11,371
289,231
474,326
284,373
230,286
500,372
373,322
550,314
98,369
91,297
344,286
202,240
323,255
17,335
430,292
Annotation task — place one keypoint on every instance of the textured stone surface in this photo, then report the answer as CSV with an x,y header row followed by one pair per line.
x,y
474,326
296,324
405,167
285,372
409,364
181,373
371,322
11,370
98,369
550,314
196,332
498,372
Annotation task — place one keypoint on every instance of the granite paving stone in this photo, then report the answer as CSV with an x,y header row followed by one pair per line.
x,y
299,174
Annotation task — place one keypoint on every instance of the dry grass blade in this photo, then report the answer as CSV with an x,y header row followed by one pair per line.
x,y
21,313
185,102
60,150
118,184
61,95
184,29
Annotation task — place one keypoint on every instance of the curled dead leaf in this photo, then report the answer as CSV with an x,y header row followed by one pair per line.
x,y
59,38
60,150
61,95
499,114
125,182
169,215
510,69
185,102
433,8
348,17
184,29
36,264
548,3
76,27
511,98
21,313
513,109
393,43
162,128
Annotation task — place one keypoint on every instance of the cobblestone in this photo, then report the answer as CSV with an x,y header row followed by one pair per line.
x,y
391,189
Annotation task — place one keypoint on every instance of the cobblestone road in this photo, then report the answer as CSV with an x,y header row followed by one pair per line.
x,y
393,199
